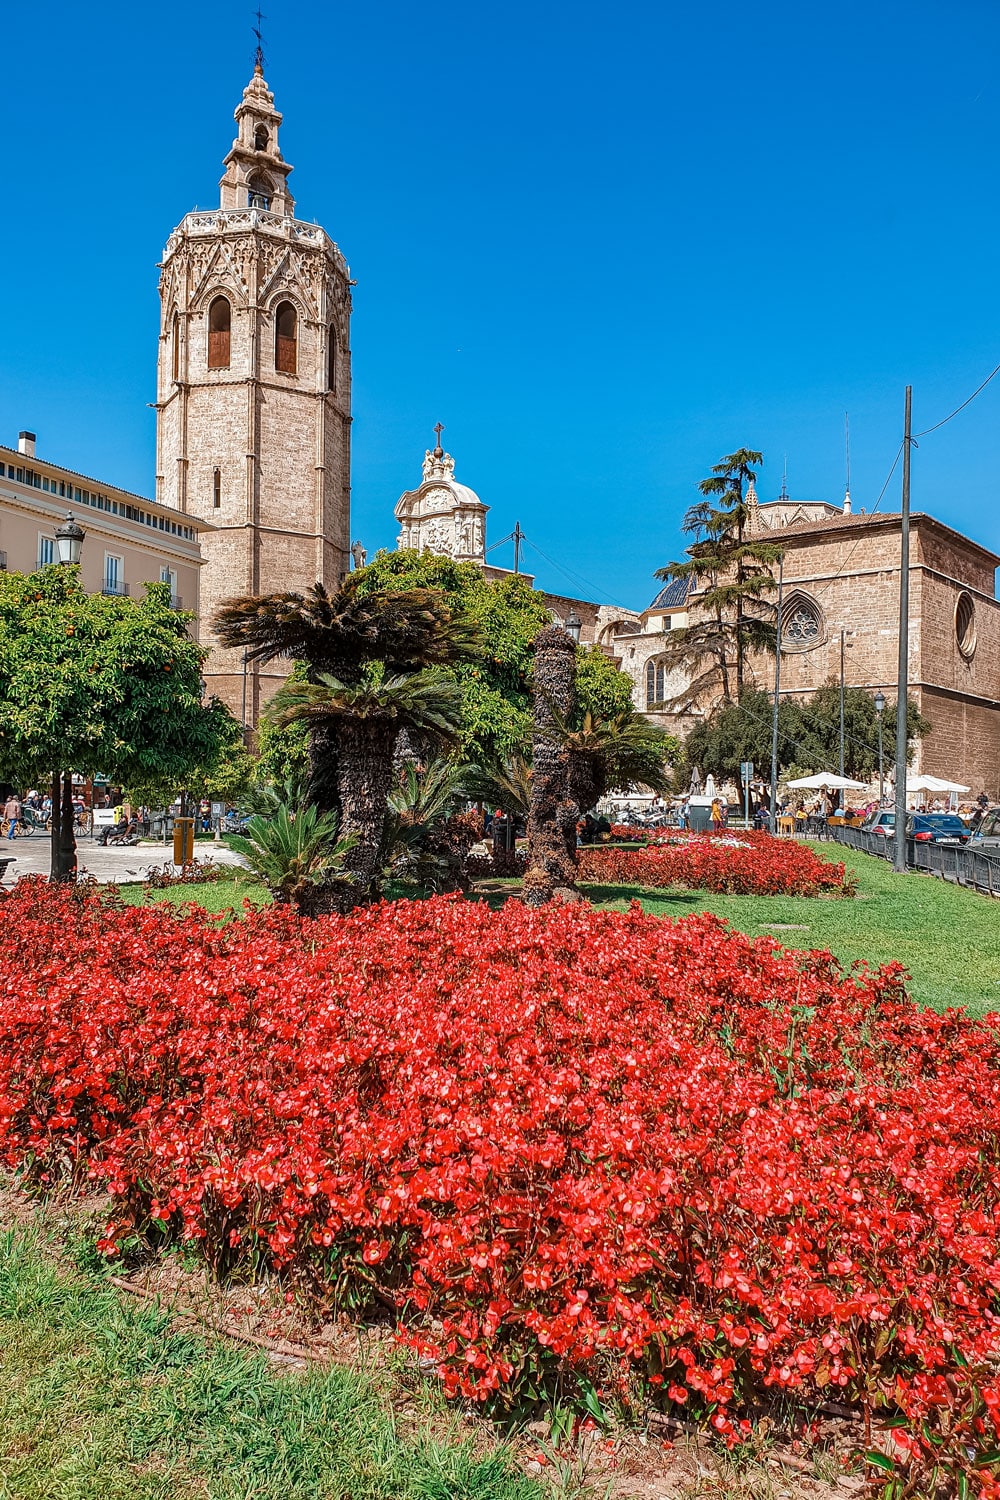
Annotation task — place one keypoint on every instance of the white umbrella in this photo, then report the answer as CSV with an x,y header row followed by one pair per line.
x,y
934,784
828,780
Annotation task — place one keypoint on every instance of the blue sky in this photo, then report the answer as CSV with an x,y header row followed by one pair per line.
x,y
603,245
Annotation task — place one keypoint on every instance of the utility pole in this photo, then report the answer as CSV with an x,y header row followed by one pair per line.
x,y
518,539
842,709
777,692
902,679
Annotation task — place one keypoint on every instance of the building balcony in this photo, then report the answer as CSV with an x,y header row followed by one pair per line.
x,y
115,588
3,562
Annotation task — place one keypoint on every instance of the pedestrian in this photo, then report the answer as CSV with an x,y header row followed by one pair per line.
x,y
716,815
12,812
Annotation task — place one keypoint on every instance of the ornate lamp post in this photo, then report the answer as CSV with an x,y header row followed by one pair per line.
x,y
879,711
573,626
69,545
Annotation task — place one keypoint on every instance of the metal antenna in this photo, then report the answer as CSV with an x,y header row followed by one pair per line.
x,y
258,60
847,451
784,479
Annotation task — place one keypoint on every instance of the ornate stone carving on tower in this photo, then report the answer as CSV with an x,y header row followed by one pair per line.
x,y
254,390
441,515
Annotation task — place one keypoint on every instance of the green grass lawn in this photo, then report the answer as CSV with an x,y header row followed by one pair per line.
x,y
947,937
99,1400
216,896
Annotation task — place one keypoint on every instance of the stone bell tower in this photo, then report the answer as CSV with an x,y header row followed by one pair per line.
x,y
254,391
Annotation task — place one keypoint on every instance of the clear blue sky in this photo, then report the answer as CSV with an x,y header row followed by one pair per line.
x,y
603,244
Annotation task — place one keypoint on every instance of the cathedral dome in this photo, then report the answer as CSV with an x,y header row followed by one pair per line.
x,y
441,515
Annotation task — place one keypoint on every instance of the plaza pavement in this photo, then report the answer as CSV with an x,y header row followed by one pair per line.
x,y
106,864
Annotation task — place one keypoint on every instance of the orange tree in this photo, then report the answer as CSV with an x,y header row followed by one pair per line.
x,y
99,685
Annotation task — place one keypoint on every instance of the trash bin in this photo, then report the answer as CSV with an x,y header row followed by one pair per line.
x,y
699,814
183,841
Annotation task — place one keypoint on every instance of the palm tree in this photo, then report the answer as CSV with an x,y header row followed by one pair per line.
x,y
420,843
503,783
297,854
342,634
623,751
364,721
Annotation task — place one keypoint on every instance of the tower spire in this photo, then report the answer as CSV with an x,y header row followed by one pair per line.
x,y
258,60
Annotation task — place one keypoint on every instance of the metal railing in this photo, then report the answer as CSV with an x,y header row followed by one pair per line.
x,y
962,864
115,588
3,562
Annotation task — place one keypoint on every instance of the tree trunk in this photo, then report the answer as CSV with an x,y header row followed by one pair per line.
x,y
55,846
552,816
67,839
364,779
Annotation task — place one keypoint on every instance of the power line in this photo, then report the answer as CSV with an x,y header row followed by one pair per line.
x,y
586,583
964,404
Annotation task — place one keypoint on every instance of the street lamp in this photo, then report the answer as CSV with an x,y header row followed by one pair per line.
x,y
879,711
69,539
573,626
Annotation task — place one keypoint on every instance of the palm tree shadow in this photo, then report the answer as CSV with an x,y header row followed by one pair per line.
x,y
606,895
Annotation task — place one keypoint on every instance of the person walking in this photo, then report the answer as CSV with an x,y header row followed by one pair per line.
x,y
12,812
716,815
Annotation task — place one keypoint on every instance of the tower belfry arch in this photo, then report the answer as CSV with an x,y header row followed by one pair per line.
x,y
254,389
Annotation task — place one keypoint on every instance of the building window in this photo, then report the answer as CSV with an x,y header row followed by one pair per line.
x,y
260,138
175,346
285,339
259,193
46,550
169,575
801,623
965,624
331,358
220,321
216,488
656,683
113,574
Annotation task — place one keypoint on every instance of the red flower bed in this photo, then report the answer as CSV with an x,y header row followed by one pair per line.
x,y
744,863
570,1141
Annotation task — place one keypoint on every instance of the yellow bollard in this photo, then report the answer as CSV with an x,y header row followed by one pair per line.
x,y
183,841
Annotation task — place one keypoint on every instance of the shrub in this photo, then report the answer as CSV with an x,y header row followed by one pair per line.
x,y
566,1146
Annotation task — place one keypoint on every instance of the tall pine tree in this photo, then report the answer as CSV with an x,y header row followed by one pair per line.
x,y
731,569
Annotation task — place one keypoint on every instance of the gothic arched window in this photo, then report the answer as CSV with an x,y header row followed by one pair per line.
x,y
258,193
220,322
285,339
331,358
656,683
260,138
801,623
175,347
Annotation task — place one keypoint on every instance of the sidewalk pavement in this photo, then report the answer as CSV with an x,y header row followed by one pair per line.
x,y
121,865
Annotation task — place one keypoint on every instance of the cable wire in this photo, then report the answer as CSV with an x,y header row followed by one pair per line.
x,y
964,404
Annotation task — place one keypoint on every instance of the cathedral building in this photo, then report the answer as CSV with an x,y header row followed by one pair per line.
x,y
254,391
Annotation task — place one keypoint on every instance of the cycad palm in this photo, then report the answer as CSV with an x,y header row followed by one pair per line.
x,y
622,751
364,720
297,854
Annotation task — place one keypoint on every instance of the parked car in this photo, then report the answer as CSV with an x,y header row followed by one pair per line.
x,y
936,828
987,835
880,821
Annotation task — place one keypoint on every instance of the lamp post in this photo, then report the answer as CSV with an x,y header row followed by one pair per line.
x,y
69,545
879,711
69,540
573,626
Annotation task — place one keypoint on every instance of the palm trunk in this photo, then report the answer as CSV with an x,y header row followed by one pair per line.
x,y
552,816
364,779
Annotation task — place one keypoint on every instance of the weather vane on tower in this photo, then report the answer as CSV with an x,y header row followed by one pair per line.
x,y
258,60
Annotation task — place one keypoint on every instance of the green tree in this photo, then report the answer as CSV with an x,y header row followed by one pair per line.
x,y
821,731
508,614
732,570
738,732
99,685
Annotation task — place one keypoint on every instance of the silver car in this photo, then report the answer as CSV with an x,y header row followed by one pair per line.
x,y
987,835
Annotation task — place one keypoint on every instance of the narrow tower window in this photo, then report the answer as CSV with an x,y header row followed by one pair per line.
x,y
220,318
175,346
260,138
216,488
285,339
331,358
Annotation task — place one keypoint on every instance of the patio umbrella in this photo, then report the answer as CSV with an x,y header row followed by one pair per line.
x,y
829,781
934,784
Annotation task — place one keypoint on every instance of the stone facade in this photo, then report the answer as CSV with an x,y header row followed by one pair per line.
x,y
841,573
254,391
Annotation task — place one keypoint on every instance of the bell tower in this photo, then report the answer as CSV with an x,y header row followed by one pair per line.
x,y
254,391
